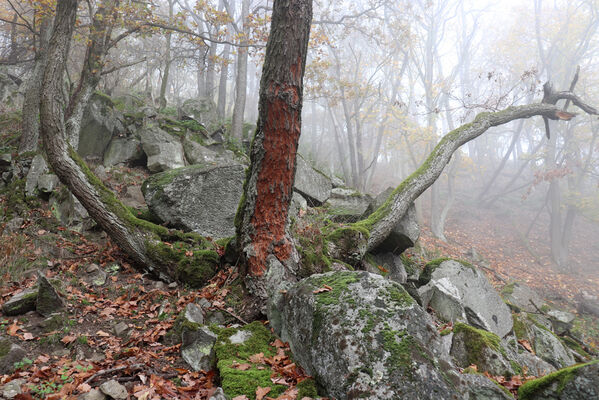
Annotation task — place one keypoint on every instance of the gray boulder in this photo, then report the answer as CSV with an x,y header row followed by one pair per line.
x,y
366,338
311,183
123,150
580,382
562,321
405,233
9,355
550,348
10,95
347,205
588,304
297,203
46,183
195,153
21,303
481,348
534,365
479,387
37,169
387,264
202,110
197,348
164,151
459,292
522,296
69,211
198,198
101,121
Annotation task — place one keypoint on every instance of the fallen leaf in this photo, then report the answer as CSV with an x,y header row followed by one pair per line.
x,y
526,344
242,397
68,339
257,358
84,388
241,367
27,336
261,392
102,334
322,289
13,329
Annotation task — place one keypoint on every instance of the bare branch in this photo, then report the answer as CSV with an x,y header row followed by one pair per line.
x,y
117,67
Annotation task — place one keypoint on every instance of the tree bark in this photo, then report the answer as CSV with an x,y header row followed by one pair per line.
x,y
241,77
262,218
167,58
31,101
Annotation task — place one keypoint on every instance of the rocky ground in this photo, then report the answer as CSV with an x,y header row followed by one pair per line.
x,y
78,321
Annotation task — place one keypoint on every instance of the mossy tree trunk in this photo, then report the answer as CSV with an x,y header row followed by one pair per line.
x,y
262,217
380,224
140,240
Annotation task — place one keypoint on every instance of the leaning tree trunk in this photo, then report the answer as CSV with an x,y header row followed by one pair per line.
x,y
140,240
262,218
367,234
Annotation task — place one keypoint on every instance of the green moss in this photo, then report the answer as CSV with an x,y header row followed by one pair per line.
x,y
236,382
338,281
173,336
403,348
516,367
410,265
561,377
508,289
307,388
104,98
446,331
476,340
574,345
520,327
370,322
398,295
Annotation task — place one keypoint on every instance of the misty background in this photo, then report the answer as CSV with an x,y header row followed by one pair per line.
x,y
385,80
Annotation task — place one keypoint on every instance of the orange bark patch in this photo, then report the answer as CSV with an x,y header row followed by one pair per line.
x,y
275,178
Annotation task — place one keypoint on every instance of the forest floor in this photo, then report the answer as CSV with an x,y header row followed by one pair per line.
x,y
86,348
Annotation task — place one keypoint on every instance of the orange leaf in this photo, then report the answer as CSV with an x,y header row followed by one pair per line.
x,y
68,339
102,333
12,329
241,367
27,336
325,288
261,392
257,358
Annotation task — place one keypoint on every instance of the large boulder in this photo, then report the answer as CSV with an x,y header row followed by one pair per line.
x,y
202,110
314,185
164,151
363,336
123,150
38,168
10,354
460,292
522,297
10,94
198,198
195,153
347,205
580,382
101,121
404,234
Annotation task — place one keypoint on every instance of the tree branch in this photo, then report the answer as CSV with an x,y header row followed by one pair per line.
x,y
383,220
117,67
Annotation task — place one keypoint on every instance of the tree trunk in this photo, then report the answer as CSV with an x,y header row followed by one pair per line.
x,y
222,84
167,59
262,218
31,102
140,240
241,76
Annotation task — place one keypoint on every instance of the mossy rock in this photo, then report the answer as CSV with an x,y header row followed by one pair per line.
x,y
21,303
236,346
431,266
579,382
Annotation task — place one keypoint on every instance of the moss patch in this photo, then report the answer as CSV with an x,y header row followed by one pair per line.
x,y
561,377
307,388
236,382
476,340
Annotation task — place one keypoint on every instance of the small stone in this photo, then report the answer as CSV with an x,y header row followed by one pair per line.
x,y
159,285
114,389
13,388
21,303
14,225
61,353
92,268
46,183
197,348
172,285
48,299
194,314
240,337
12,353
93,394
5,159
53,323
218,395
204,303
97,357
121,329
561,321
